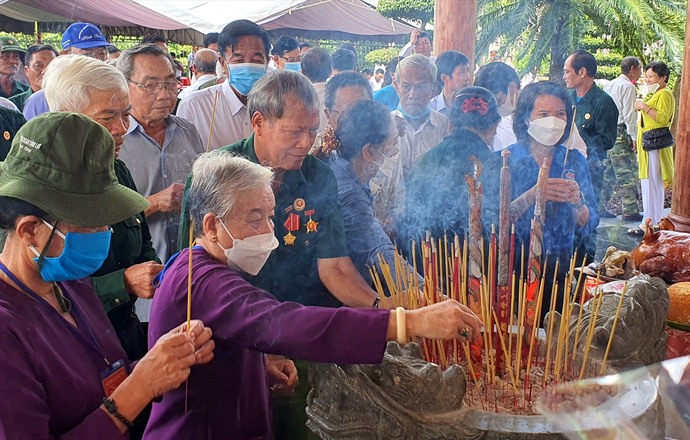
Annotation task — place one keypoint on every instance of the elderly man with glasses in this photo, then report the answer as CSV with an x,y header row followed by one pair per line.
x,y
159,148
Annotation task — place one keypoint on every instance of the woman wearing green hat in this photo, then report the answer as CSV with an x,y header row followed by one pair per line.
x,y
64,372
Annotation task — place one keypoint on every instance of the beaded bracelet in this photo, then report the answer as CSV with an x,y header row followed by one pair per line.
x,y
109,404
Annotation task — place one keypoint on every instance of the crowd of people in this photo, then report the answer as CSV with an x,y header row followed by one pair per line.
x,y
268,188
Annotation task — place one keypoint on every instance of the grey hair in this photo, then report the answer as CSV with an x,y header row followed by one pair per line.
x,y
628,63
205,60
125,63
419,62
219,178
69,80
270,93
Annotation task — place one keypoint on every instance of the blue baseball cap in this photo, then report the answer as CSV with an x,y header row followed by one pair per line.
x,y
83,36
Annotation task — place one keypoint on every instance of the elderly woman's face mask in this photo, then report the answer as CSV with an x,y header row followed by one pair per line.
x,y
249,254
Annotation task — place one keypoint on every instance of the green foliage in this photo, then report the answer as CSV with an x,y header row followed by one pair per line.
x,y
592,43
538,30
122,42
608,58
381,56
410,10
608,72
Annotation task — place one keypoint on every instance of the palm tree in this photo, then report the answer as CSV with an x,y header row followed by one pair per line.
x,y
539,29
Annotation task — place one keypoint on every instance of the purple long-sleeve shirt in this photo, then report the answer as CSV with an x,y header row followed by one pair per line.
x,y
229,397
50,378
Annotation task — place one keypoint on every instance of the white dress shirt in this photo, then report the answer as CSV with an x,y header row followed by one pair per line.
x,y
230,121
203,79
624,94
413,143
438,103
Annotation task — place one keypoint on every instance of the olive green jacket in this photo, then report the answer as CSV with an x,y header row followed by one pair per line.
x,y
130,244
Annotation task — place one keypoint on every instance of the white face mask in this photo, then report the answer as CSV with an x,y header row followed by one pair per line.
x,y
508,107
649,89
220,70
251,253
547,131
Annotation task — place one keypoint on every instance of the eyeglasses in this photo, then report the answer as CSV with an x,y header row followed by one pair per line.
x,y
296,59
153,87
99,53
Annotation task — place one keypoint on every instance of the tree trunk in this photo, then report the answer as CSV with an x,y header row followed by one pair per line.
x,y
680,202
455,27
557,57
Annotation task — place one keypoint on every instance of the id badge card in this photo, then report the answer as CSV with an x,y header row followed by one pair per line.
x,y
113,376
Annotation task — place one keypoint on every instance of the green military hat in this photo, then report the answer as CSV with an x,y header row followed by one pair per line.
x,y
63,164
10,44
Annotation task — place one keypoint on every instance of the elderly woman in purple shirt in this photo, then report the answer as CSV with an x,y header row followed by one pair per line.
x,y
232,203
64,373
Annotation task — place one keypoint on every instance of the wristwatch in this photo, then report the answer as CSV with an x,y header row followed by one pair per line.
x,y
110,405
376,303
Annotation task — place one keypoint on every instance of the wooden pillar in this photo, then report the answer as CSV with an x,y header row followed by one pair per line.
x,y
680,204
455,26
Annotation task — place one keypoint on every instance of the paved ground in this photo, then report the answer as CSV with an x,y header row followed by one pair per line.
x,y
614,232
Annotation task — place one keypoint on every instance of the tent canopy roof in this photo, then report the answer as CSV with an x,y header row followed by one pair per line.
x,y
186,21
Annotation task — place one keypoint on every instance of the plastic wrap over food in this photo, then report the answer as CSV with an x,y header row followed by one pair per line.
x,y
649,403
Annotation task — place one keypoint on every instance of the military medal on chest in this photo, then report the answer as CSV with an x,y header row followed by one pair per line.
x,y
291,224
299,204
311,225
294,221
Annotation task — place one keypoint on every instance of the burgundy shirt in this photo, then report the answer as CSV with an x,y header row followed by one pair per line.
x,y
229,397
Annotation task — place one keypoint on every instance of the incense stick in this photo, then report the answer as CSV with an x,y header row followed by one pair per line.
x,y
590,332
189,301
507,356
573,127
552,309
613,329
579,316
213,119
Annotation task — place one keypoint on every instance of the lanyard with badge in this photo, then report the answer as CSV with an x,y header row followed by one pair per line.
x,y
116,372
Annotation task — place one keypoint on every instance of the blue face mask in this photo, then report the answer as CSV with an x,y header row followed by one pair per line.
x,y
244,76
82,255
423,114
295,67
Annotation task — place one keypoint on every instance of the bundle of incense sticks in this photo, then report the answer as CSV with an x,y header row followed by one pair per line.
x,y
505,369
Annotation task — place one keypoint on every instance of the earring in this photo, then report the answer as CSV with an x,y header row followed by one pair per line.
x,y
213,237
